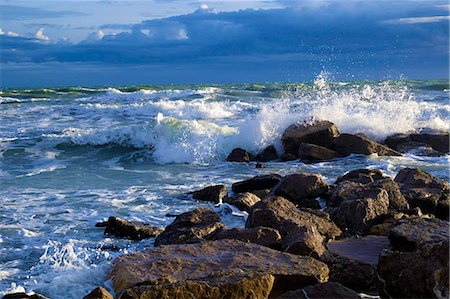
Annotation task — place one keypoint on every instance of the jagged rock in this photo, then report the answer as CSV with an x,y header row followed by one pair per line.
x,y
315,153
384,228
320,133
259,235
98,293
191,227
288,157
437,140
347,144
300,188
22,295
281,214
133,230
222,263
211,193
239,155
256,183
425,191
418,265
362,176
261,193
267,154
396,199
325,290
242,201
418,149
353,262
304,241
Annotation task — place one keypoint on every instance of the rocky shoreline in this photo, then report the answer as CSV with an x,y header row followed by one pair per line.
x,y
375,235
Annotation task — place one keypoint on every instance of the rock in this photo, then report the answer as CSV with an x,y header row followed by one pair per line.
x,y
99,293
347,144
22,295
353,262
362,176
325,290
259,166
304,241
256,183
211,193
191,227
425,191
320,133
133,230
239,155
315,153
261,193
242,201
418,149
281,214
396,199
300,187
217,264
418,265
259,235
437,140
267,154
288,157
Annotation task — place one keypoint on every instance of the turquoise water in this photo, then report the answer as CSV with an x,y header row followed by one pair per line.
x,y
70,157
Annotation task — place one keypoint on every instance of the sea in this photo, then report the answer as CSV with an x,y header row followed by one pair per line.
x,y
71,157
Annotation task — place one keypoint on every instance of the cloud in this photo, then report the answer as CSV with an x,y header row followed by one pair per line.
x,y
40,35
419,20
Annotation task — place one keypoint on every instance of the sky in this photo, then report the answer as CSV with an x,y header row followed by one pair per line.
x,y
98,43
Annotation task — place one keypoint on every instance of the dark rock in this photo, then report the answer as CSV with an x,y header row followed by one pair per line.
x,y
281,214
211,193
347,144
22,295
300,187
304,241
261,193
353,262
259,235
242,201
315,153
218,263
437,140
396,199
191,227
133,230
418,265
362,176
319,132
267,154
239,155
325,290
394,140
418,148
256,183
259,166
99,293
288,157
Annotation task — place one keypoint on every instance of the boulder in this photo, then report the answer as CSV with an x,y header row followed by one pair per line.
x,y
259,235
133,230
239,155
353,262
261,193
361,175
418,149
320,133
242,201
300,188
98,293
191,227
418,264
396,199
267,154
281,214
288,157
325,290
304,241
425,191
308,152
256,183
211,193
437,140
222,263
347,144
21,295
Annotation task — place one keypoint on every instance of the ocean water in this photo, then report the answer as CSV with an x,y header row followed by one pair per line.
x,y
70,157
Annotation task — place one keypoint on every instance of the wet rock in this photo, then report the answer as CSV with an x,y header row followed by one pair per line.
x,y
437,140
418,149
353,262
211,193
288,157
325,290
98,293
133,230
300,188
308,152
425,191
239,155
347,144
242,201
191,227
256,183
320,133
281,214
304,241
259,235
216,263
396,199
384,228
261,193
418,265
362,176
267,154
22,295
